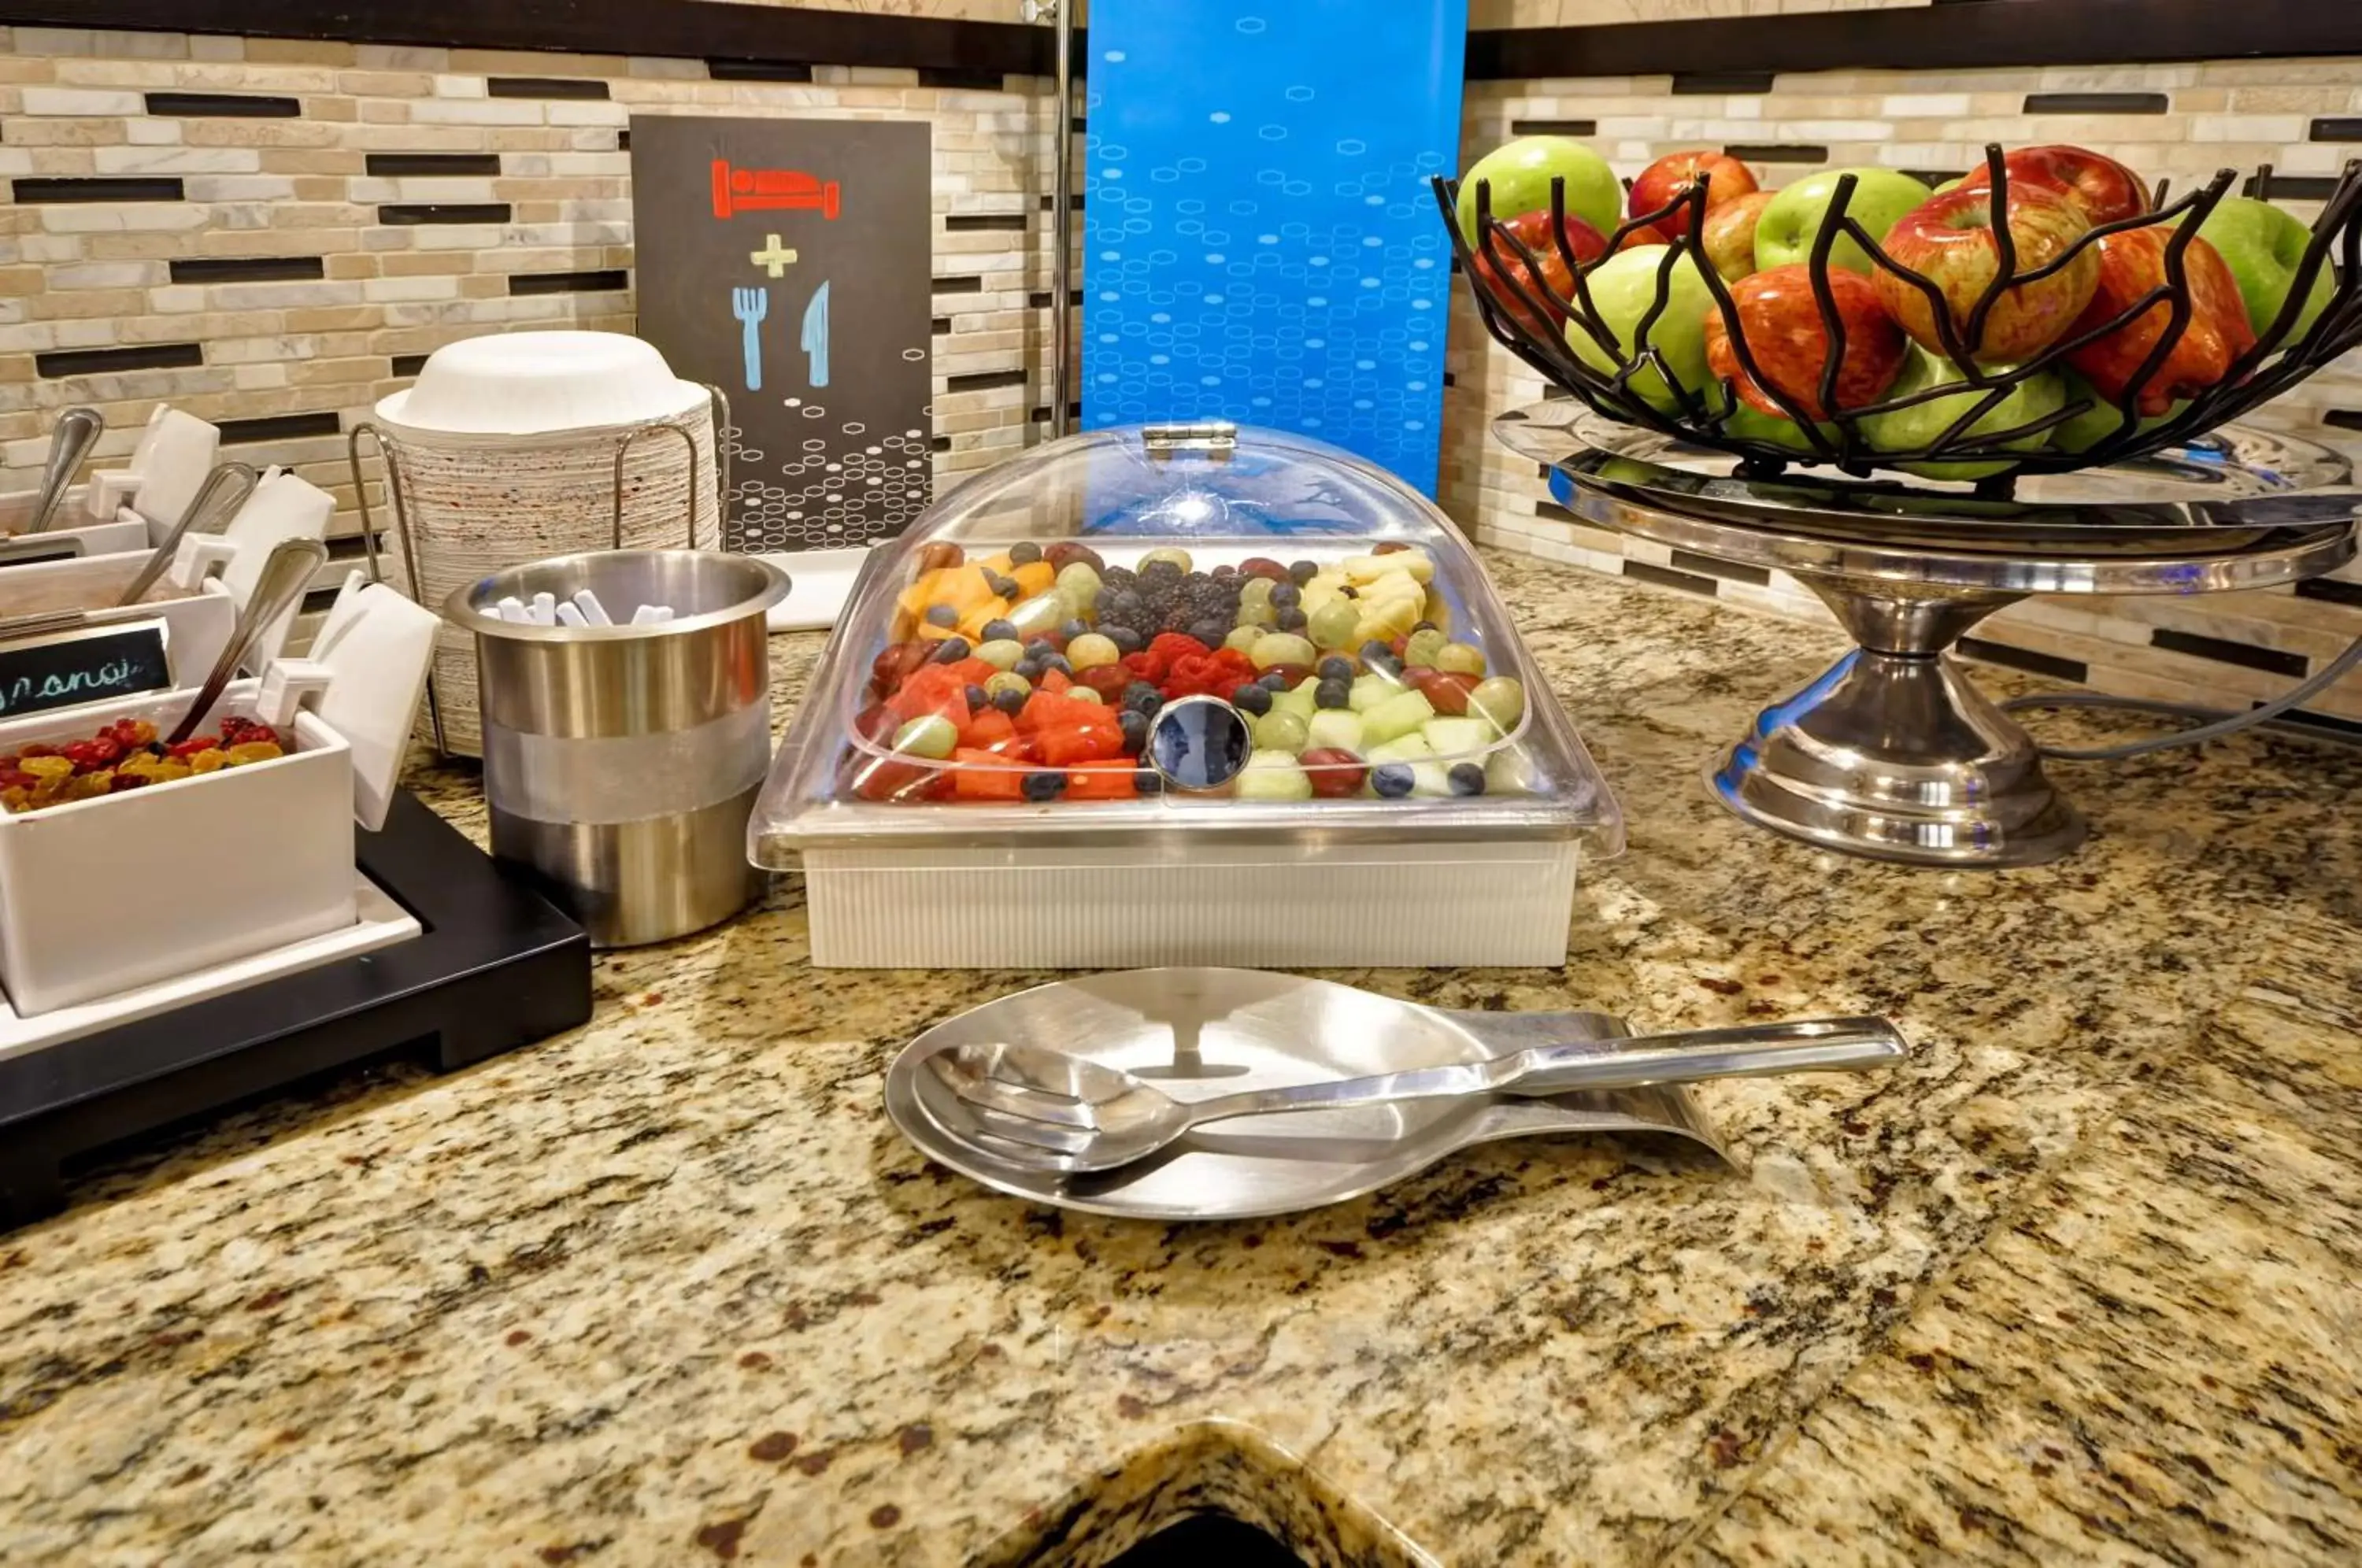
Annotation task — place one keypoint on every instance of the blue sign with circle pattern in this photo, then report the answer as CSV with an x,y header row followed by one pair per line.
x,y
1260,243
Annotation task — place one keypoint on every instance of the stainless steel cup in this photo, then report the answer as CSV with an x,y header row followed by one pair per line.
x,y
621,762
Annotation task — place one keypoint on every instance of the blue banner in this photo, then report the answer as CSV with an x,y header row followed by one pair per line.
x,y
1259,242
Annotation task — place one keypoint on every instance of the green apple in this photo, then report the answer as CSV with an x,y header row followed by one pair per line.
x,y
2263,247
1624,289
1906,429
1747,423
1784,234
1953,183
1519,175
2099,422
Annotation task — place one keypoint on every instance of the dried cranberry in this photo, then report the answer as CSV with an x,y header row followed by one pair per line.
x,y
194,745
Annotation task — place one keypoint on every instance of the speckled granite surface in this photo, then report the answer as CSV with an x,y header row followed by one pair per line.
x,y
2083,1284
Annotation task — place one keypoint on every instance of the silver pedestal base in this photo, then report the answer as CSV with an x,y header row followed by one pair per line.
x,y
1899,758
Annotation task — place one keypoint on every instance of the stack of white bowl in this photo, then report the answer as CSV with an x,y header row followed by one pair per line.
x,y
504,452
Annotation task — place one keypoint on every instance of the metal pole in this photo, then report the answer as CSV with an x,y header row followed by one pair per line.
x,y
1062,221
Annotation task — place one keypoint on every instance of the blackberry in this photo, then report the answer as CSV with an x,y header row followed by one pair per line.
x,y
1161,572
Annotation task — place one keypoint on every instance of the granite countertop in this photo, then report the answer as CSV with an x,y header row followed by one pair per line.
x,y
2083,1282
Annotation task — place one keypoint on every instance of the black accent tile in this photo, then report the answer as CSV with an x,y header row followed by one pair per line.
x,y
984,380
347,547
114,188
1040,299
958,285
1708,566
2223,650
544,87
1553,127
224,106
602,280
2072,669
279,427
108,361
972,223
623,141
963,80
2331,592
939,443
2337,129
1079,124
1542,471
940,326
409,364
1722,81
444,212
1641,571
432,165
1777,152
2285,187
2344,418
1556,393
1074,202
758,71
1451,381
2330,726
249,269
2095,103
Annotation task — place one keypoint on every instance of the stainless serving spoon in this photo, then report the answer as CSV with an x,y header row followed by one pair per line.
x,y
218,500
1047,1109
286,573
76,432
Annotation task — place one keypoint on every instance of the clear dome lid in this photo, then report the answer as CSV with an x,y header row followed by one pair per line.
x,y
1148,630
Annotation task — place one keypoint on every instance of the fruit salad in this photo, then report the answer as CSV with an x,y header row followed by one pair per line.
x,y
126,755
1037,675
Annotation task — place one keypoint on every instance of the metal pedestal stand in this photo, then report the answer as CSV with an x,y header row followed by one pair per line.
x,y
1893,753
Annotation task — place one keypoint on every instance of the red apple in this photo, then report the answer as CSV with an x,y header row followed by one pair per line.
x,y
1557,282
1644,235
1781,320
2133,263
1949,241
2104,189
1729,234
1727,180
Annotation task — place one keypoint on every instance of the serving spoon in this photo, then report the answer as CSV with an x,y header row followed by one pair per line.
x,y
1042,1108
77,431
287,571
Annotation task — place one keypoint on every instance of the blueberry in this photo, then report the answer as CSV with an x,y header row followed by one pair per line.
x,y
1009,701
1334,694
1210,632
1467,778
1336,667
1302,572
951,650
1379,657
1001,587
1285,596
1135,730
1040,647
1125,639
1074,629
1025,553
1275,681
1142,698
1000,630
977,698
1391,780
941,615
1294,620
1057,661
1148,781
1049,785
1030,668
1252,698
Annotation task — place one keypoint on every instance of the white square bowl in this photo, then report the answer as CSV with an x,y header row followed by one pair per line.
x,y
105,894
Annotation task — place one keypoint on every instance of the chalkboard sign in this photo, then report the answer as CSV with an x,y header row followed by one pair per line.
x,y
87,665
790,263
27,549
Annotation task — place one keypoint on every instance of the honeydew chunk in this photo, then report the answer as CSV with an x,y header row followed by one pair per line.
x,y
1457,737
1402,748
1336,728
1369,691
1302,698
1273,776
1396,716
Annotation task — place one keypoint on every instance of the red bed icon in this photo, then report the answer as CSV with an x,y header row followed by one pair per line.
x,y
739,190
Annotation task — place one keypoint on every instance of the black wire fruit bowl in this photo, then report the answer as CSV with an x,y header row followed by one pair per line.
x,y
2204,365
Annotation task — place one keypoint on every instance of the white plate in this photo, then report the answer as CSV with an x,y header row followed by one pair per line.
x,y
820,581
382,924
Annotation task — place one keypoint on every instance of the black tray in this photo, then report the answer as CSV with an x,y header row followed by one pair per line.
x,y
494,966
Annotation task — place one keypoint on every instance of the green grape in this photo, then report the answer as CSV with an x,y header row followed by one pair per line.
x,y
1242,637
1008,681
1258,616
1254,591
1090,650
1002,654
1282,730
1334,623
1422,648
930,736
1501,700
1078,586
1459,658
1280,647
1179,558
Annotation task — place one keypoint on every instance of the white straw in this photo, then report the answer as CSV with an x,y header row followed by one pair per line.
x,y
593,610
568,616
544,609
647,614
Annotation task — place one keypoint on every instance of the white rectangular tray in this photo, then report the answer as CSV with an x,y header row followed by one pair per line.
x,y
382,924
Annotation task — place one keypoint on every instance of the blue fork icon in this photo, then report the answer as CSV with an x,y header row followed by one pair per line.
x,y
750,306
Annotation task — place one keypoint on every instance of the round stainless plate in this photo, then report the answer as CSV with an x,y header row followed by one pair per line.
x,y
1216,1031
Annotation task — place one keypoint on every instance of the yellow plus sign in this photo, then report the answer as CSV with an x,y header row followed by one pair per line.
x,y
774,258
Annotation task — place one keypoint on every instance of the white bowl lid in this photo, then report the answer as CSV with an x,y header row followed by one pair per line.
x,y
530,383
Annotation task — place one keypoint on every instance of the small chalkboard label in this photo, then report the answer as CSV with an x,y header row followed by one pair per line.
x,y
28,549
88,665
